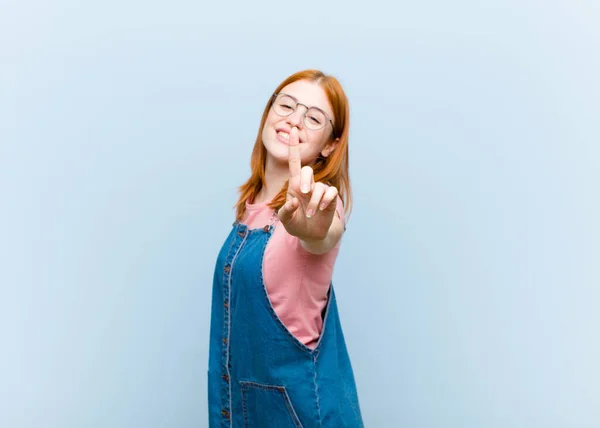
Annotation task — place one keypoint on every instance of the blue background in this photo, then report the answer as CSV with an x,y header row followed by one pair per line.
x,y
469,277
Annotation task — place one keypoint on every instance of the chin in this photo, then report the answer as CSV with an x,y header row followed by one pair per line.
x,y
277,151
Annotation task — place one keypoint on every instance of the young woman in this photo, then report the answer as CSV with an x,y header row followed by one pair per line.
x,y
277,351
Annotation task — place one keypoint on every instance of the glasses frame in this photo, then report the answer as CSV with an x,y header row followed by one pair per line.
x,y
274,97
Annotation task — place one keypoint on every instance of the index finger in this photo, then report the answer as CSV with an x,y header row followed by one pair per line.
x,y
294,154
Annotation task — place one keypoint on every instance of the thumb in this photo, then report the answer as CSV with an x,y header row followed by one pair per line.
x,y
286,212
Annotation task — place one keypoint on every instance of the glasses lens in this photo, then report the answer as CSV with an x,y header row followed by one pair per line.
x,y
284,105
315,119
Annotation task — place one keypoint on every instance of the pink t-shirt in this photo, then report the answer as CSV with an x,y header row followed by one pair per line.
x,y
296,280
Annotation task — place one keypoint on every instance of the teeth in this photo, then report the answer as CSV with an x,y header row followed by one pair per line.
x,y
284,135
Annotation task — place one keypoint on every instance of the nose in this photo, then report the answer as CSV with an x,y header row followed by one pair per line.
x,y
297,117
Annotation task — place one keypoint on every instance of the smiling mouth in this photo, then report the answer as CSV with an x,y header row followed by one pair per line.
x,y
285,137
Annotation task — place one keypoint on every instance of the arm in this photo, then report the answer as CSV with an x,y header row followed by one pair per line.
x,y
322,246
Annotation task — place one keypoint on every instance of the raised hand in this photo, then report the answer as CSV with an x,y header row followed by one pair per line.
x,y
310,207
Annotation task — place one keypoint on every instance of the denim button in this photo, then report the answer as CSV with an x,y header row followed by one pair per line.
x,y
227,268
225,414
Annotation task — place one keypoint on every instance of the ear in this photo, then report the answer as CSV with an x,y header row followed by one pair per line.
x,y
330,147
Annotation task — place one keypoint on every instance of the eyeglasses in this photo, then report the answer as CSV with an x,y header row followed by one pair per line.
x,y
314,117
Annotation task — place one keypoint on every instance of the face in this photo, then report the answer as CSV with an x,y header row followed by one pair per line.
x,y
313,143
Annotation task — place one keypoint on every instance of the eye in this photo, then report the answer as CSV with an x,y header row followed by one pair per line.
x,y
285,106
314,120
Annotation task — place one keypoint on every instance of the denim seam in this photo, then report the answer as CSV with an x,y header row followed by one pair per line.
x,y
317,388
228,252
229,328
326,317
244,409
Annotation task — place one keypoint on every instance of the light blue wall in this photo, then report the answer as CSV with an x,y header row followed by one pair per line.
x,y
468,280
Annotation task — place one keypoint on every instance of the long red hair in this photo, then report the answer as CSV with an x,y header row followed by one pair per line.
x,y
332,169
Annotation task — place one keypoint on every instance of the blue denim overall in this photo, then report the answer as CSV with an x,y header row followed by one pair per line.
x,y
259,374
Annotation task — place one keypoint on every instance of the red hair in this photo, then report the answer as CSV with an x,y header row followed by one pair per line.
x,y
332,169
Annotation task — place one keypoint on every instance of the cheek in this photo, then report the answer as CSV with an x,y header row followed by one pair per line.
x,y
272,118
316,144
318,141
268,125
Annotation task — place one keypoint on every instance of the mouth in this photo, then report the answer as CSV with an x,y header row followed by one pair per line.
x,y
284,136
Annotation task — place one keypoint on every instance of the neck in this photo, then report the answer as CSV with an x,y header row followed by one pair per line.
x,y
276,175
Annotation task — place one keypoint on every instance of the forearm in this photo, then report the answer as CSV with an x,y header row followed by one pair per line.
x,y
322,246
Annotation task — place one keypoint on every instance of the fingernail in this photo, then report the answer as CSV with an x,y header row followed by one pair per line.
x,y
309,213
322,207
305,188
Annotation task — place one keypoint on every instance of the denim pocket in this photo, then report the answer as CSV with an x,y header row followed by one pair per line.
x,y
267,406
